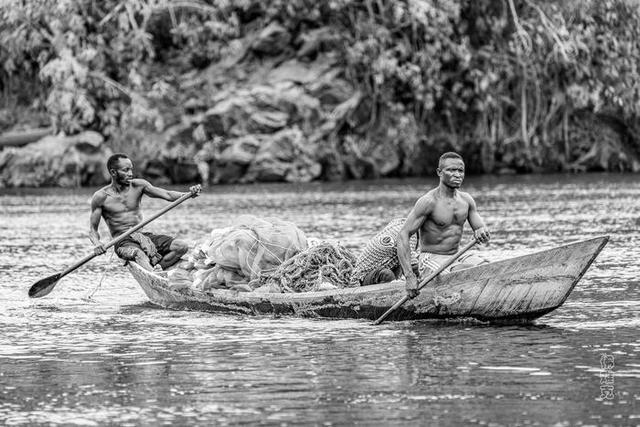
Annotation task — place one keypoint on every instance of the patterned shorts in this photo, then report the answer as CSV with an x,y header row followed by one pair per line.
x,y
428,262
155,246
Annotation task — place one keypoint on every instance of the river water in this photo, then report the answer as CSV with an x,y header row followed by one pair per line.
x,y
96,352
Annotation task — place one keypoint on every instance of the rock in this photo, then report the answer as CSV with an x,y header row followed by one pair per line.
x,y
286,97
284,156
267,121
156,170
312,41
333,166
240,150
385,157
193,105
219,119
228,173
260,110
297,72
183,171
330,89
272,40
231,164
57,160
360,167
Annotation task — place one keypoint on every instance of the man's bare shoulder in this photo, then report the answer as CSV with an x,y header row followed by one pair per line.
x,y
467,199
427,200
140,183
100,196
466,196
430,195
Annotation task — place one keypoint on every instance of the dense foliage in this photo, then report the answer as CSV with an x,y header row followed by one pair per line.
x,y
515,85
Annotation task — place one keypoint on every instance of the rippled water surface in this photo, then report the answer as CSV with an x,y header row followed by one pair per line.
x,y
113,358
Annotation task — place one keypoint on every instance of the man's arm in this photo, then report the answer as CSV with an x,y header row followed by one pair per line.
x,y
94,222
481,232
414,221
168,195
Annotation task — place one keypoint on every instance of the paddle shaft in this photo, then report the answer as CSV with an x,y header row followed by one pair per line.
x,y
427,280
125,235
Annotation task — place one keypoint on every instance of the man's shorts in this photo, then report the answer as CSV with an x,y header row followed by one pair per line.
x,y
155,246
428,262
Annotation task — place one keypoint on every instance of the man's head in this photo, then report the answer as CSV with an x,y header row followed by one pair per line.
x,y
451,169
120,168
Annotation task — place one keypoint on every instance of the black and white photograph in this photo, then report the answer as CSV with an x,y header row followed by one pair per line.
x,y
320,213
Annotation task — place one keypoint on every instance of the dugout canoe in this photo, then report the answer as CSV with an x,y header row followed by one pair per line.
x,y
517,289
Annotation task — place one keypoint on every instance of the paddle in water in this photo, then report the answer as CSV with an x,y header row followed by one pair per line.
x,y
45,286
427,280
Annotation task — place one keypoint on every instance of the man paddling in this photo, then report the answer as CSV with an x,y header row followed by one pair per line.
x,y
119,205
438,217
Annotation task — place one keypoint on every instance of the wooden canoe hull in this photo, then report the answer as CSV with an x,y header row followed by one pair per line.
x,y
516,289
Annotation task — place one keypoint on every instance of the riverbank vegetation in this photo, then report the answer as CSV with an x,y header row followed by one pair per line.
x,y
248,90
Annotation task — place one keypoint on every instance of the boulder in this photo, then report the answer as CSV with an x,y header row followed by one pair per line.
x,y
219,119
316,40
57,160
230,165
330,89
297,72
284,156
261,109
240,150
272,40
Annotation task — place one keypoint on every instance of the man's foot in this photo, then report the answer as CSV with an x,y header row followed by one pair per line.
x,y
157,269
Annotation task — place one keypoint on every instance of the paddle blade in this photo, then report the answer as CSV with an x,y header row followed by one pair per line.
x,y
44,287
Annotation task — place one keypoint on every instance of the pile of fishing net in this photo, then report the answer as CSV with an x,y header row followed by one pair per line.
x,y
267,255
321,267
237,256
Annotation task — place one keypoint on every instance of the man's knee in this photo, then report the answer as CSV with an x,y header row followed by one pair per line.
x,y
138,256
130,253
179,246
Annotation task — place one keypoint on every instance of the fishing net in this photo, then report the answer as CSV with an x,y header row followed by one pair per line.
x,y
236,255
321,267
273,255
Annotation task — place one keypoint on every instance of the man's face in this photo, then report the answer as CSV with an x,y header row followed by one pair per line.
x,y
123,172
451,172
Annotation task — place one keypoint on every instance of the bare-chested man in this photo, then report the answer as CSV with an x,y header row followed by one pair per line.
x,y
119,205
438,217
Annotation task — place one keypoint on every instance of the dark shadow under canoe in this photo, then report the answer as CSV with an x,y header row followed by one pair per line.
x,y
517,289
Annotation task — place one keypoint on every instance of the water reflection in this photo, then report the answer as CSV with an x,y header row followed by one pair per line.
x,y
116,359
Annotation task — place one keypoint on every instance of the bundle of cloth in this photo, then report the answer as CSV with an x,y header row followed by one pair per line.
x,y
381,255
235,257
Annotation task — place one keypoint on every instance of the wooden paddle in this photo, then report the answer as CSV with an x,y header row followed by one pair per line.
x,y
427,280
44,286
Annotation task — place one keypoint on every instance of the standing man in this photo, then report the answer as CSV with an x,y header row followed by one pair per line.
x,y
438,217
119,205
